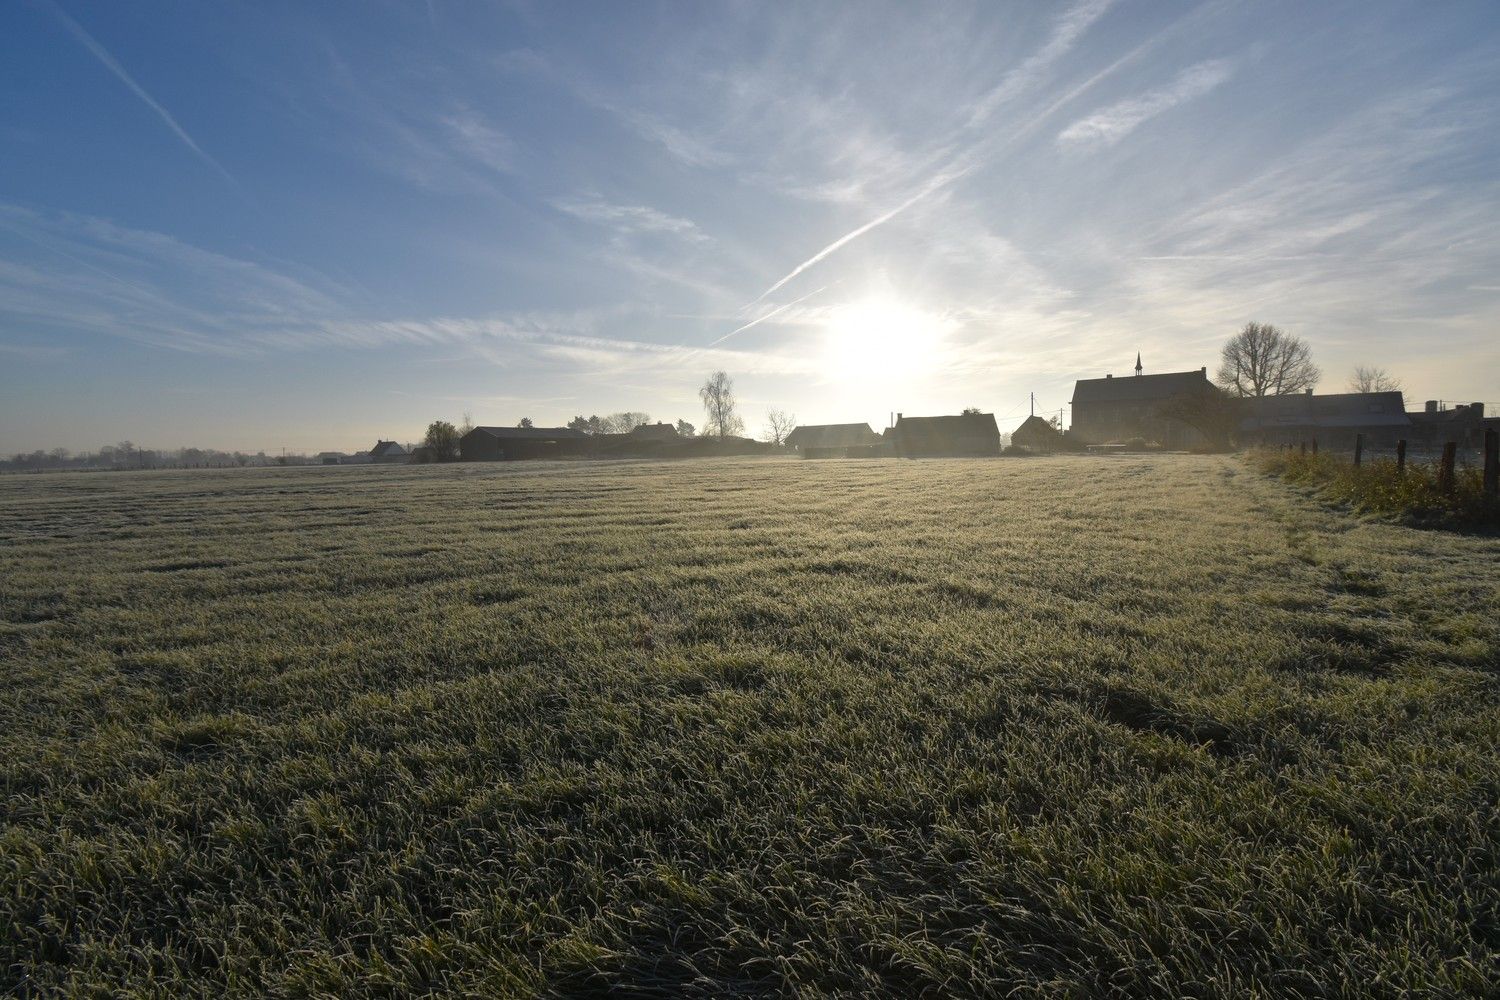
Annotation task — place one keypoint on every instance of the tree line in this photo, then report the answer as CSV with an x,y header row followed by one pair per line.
x,y
722,420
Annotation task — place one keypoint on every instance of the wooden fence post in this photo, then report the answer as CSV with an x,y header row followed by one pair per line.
x,y
1401,457
1359,448
1315,446
1304,447
1492,462
1445,471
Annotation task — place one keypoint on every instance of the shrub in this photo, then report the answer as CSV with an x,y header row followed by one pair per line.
x,y
1377,487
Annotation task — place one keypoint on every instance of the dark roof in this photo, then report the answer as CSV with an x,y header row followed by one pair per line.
x,y
1139,388
1036,432
935,434
656,431
831,436
528,433
1341,409
1460,413
383,448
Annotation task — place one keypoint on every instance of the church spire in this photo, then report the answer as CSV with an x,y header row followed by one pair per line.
x,y
1138,362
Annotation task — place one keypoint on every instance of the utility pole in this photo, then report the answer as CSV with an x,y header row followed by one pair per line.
x,y
1033,404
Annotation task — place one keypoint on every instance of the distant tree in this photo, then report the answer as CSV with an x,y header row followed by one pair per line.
x,y
779,424
718,404
1213,414
442,438
467,425
1262,360
685,429
1370,379
972,411
623,422
525,422
581,424
1054,422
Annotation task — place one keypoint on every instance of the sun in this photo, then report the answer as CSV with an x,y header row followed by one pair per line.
x,y
880,339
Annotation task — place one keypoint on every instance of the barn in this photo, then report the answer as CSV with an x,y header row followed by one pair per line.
x,y
388,453
1119,409
1333,419
966,435
835,441
1036,434
509,444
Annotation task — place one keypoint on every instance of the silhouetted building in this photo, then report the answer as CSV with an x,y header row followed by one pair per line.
x,y
1333,420
1036,434
388,453
967,435
1113,409
1465,424
509,444
655,432
835,441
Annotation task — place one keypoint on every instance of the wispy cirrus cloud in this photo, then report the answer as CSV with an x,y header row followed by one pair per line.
x,y
1109,125
1069,27
630,218
110,63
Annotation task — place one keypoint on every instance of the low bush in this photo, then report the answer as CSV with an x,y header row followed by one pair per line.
x,y
1414,494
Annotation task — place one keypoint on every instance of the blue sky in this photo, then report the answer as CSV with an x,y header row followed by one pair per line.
x,y
303,225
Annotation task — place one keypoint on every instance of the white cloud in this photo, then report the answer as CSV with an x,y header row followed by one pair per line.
x,y
630,218
1066,32
1113,123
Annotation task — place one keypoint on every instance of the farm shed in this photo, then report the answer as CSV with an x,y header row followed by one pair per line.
x,y
1118,409
508,444
967,435
388,453
654,432
1464,423
835,441
1333,419
1036,434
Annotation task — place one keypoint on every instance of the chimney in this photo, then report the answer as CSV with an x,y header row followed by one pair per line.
x,y
1432,406
1308,391
1476,410
898,418
1109,376
1204,370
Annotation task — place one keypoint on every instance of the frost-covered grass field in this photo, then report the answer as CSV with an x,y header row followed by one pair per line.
x,y
1047,727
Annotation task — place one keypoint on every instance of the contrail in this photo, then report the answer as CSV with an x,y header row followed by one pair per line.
x,y
942,180
768,316
114,67
847,237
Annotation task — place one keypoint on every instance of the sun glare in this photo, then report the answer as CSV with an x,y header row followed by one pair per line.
x,y
881,338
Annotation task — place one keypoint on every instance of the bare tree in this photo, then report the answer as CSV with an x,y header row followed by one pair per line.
x,y
1371,379
779,424
467,425
1262,360
623,422
718,405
